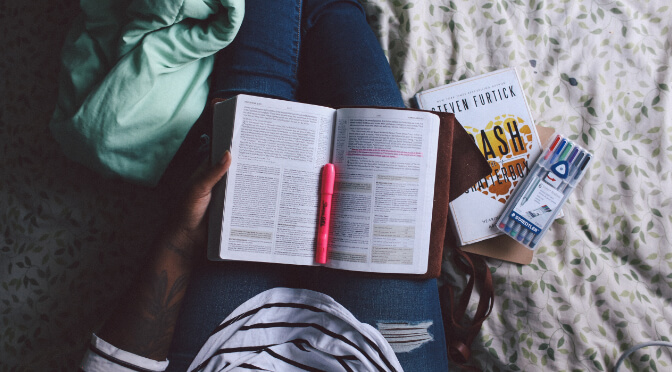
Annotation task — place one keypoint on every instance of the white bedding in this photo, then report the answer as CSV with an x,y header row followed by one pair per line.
x,y
596,71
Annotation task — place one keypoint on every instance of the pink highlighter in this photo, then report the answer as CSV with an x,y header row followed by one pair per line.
x,y
324,218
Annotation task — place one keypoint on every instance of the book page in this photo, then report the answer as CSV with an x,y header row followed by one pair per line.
x,y
272,189
385,162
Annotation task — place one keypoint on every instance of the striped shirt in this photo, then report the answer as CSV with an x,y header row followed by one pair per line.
x,y
281,329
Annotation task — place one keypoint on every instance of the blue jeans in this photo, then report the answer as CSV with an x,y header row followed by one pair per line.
x,y
321,52
217,288
312,51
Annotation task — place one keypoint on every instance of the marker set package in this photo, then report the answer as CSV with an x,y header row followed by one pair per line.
x,y
532,209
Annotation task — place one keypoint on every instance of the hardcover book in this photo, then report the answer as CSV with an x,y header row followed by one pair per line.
x,y
266,208
493,110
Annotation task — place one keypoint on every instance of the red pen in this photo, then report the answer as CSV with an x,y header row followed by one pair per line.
x,y
326,191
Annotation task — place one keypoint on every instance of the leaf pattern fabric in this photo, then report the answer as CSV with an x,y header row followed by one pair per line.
x,y
601,281
597,72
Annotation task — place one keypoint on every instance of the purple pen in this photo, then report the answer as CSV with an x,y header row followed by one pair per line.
x,y
508,224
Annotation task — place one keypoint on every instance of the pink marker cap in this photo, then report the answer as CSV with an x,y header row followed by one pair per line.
x,y
328,178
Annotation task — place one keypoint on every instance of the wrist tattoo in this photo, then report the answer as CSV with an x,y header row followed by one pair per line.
x,y
155,322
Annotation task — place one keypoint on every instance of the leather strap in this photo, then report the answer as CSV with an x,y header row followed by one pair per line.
x,y
460,330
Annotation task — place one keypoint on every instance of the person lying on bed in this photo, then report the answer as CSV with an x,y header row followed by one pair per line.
x,y
249,315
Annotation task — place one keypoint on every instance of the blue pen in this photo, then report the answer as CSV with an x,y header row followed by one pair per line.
x,y
514,227
507,223
575,172
524,235
510,223
579,172
573,163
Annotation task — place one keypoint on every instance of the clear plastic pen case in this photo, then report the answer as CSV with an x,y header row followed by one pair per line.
x,y
532,209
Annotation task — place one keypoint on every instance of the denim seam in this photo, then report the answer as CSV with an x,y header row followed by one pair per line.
x,y
297,43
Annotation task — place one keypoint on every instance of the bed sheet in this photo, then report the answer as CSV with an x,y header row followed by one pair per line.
x,y
598,72
595,70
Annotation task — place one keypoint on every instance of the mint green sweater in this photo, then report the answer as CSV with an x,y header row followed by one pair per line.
x,y
134,79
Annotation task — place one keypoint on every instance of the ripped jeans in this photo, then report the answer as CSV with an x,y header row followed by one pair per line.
x,y
406,312
322,52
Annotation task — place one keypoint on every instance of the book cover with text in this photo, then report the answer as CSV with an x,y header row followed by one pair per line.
x,y
493,110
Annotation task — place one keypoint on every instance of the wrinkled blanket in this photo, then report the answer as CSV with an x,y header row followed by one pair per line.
x,y
134,79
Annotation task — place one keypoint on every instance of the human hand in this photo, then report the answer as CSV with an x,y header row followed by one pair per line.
x,y
188,229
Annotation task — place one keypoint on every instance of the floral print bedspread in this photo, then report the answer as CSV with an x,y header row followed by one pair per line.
x,y
597,72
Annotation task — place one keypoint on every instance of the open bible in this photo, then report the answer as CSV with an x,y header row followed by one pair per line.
x,y
266,207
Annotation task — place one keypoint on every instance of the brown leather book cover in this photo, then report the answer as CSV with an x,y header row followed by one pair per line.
x,y
460,164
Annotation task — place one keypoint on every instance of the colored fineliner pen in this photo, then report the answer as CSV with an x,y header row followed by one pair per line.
x,y
553,178
525,235
507,224
579,172
575,171
573,163
324,218
513,227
